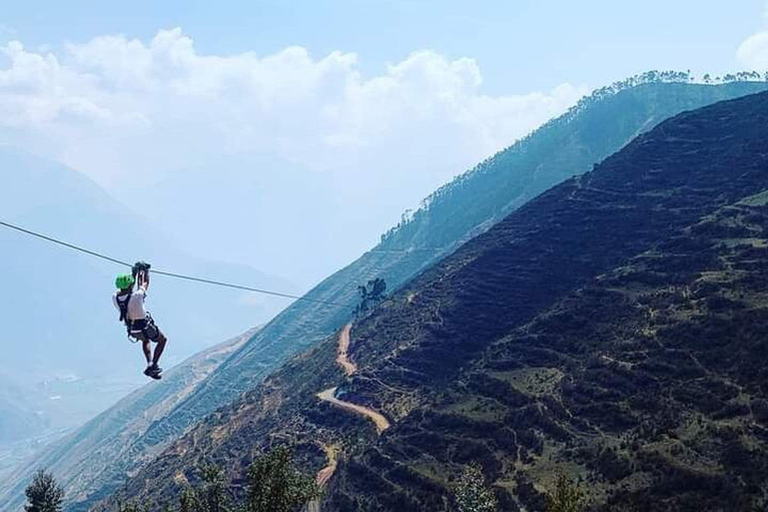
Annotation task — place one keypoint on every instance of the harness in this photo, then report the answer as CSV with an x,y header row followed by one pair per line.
x,y
122,302
143,328
132,327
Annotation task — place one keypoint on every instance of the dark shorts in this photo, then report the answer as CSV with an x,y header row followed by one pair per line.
x,y
146,330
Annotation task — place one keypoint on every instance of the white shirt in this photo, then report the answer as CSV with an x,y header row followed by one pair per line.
x,y
136,309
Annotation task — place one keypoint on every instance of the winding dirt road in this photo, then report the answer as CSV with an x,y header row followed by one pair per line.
x,y
325,474
343,358
331,452
329,395
378,419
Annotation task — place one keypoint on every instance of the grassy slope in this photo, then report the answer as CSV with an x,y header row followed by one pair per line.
x,y
611,328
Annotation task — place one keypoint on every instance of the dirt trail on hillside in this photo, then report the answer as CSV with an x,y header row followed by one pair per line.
x,y
325,474
378,419
343,358
329,395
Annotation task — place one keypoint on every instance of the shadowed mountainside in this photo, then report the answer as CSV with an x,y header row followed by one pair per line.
x,y
613,328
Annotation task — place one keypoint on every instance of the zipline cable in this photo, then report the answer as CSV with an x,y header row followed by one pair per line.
x,y
65,244
164,273
241,287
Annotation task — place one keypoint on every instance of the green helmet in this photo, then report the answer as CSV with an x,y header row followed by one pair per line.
x,y
124,281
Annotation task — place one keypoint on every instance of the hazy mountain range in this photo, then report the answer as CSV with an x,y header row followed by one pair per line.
x,y
65,355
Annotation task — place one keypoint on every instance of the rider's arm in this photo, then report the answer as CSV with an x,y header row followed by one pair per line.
x,y
144,280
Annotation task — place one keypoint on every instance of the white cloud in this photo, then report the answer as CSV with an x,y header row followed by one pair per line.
x,y
124,110
753,51
316,112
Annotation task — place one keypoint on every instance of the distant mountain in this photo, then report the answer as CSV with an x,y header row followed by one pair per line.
x,y
612,329
17,418
72,460
567,146
62,343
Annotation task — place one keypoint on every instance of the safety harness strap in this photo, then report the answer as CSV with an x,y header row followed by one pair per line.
x,y
122,303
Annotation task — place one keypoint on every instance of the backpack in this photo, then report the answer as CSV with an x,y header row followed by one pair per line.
x,y
122,302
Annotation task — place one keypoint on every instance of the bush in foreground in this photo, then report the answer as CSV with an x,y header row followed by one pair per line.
x,y
43,494
274,485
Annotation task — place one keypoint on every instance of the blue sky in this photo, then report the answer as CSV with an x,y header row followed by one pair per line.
x,y
520,45
315,124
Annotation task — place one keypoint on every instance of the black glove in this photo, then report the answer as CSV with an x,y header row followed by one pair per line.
x,y
140,266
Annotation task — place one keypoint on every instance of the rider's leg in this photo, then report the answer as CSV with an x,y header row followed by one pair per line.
x,y
161,341
151,370
145,346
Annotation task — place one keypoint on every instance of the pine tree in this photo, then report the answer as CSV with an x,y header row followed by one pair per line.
x,y
44,494
371,295
472,495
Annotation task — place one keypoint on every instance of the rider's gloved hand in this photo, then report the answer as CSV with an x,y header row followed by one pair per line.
x,y
140,266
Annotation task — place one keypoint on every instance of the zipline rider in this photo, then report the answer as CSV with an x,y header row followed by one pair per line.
x,y
138,322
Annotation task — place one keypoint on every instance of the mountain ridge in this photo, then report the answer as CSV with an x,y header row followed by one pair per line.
x,y
514,176
484,355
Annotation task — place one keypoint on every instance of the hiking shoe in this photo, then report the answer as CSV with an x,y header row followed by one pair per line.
x,y
153,371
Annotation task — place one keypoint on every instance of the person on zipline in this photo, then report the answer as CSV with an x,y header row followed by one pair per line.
x,y
138,321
